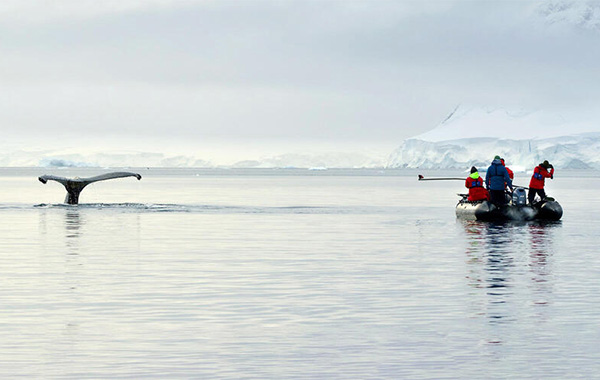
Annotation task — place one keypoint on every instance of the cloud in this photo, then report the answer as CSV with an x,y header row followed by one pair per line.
x,y
19,12
331,71
581,14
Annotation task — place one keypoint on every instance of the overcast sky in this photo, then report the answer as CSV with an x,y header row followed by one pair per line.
x,y
249,77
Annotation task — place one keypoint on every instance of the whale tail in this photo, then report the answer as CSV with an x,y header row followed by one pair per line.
x,y
74,186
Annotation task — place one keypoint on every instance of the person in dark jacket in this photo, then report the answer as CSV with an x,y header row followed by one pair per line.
x,y
495,180
474,183
536,185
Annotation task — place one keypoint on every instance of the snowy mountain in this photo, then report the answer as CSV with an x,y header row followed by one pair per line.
x,y
474,135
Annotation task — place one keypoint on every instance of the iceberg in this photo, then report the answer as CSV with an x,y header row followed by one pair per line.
x,y
68,159
51,162
474,135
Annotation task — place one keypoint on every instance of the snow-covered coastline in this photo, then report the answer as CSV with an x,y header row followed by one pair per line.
x,y
71,159
468,136
569,152
473,136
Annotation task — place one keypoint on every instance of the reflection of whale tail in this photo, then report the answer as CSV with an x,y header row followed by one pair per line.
x,y
74,186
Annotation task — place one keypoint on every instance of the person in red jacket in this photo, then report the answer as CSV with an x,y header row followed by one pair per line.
x,y
474,182
511,174
536,185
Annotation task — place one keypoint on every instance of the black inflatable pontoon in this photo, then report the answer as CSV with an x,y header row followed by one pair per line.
x,y
515,209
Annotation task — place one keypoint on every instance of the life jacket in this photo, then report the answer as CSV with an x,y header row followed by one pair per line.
x,y
474,180
476,190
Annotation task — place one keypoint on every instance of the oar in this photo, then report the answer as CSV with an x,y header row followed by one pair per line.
x,y
421,178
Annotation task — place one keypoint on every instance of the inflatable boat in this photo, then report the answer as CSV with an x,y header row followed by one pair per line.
x,y
515,209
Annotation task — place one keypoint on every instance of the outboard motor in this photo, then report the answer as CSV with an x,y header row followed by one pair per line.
x,y
519,198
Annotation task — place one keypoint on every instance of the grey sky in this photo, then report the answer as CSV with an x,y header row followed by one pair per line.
x,y
260,74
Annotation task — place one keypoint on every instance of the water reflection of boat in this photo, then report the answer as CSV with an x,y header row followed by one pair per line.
x,y
509,266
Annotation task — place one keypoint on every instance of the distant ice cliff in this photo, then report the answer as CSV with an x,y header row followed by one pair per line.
x,y
473,136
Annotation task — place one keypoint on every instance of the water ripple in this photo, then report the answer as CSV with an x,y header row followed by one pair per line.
x,y
213,209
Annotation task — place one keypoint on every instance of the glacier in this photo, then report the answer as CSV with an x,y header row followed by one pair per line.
x,y
469,136
472,136
69,158
316,161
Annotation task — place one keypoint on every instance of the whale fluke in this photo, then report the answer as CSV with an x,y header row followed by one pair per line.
x,y
74,186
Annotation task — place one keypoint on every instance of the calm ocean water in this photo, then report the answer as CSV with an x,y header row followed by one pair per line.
x,y
292,274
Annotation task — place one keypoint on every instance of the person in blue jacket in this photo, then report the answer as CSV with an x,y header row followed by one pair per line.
x,y
495,178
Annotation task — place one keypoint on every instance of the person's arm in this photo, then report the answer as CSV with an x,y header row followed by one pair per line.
x,y
547,174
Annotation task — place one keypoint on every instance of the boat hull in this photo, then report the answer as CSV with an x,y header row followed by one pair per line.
x,y
486,211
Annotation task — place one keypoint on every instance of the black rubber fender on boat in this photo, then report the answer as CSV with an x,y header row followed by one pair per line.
x,y
486,210
550,210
